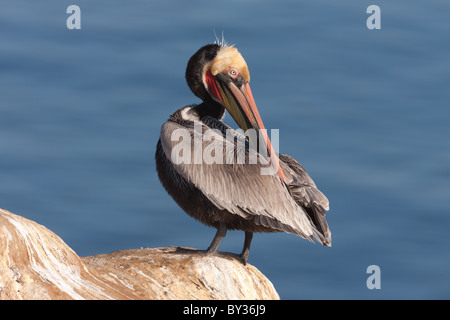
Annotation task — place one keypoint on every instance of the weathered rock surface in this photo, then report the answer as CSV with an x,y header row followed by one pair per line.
x,y
36,264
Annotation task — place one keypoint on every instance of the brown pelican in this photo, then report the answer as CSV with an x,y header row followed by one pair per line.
x,y
228,194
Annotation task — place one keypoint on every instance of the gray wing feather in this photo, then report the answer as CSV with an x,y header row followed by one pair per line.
x,y
301,183
305,193
238,188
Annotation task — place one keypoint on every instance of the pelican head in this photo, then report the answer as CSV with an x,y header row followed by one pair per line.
x,y
219,75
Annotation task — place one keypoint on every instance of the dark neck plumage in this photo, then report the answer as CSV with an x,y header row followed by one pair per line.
x,y
210,108
194,78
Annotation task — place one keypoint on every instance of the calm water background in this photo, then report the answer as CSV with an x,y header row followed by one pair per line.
x,y
366,112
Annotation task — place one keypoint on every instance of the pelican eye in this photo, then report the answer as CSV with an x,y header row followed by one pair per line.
x,y
233,72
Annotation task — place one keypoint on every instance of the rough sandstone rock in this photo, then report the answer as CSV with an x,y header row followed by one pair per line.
x,y
36,264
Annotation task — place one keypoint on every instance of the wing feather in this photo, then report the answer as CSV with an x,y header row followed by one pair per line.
x,y
305,193
237,188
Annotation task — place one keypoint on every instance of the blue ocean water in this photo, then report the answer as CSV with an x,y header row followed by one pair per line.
x,y
365,111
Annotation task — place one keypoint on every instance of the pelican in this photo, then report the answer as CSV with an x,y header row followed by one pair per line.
x,y
232,194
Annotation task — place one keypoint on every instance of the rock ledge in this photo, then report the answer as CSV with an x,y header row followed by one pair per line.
x,y
36,264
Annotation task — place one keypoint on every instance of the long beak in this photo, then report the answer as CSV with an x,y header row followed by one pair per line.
x,y
240,104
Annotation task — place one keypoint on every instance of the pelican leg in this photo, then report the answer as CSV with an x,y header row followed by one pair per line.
x,y
220,234
246,248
